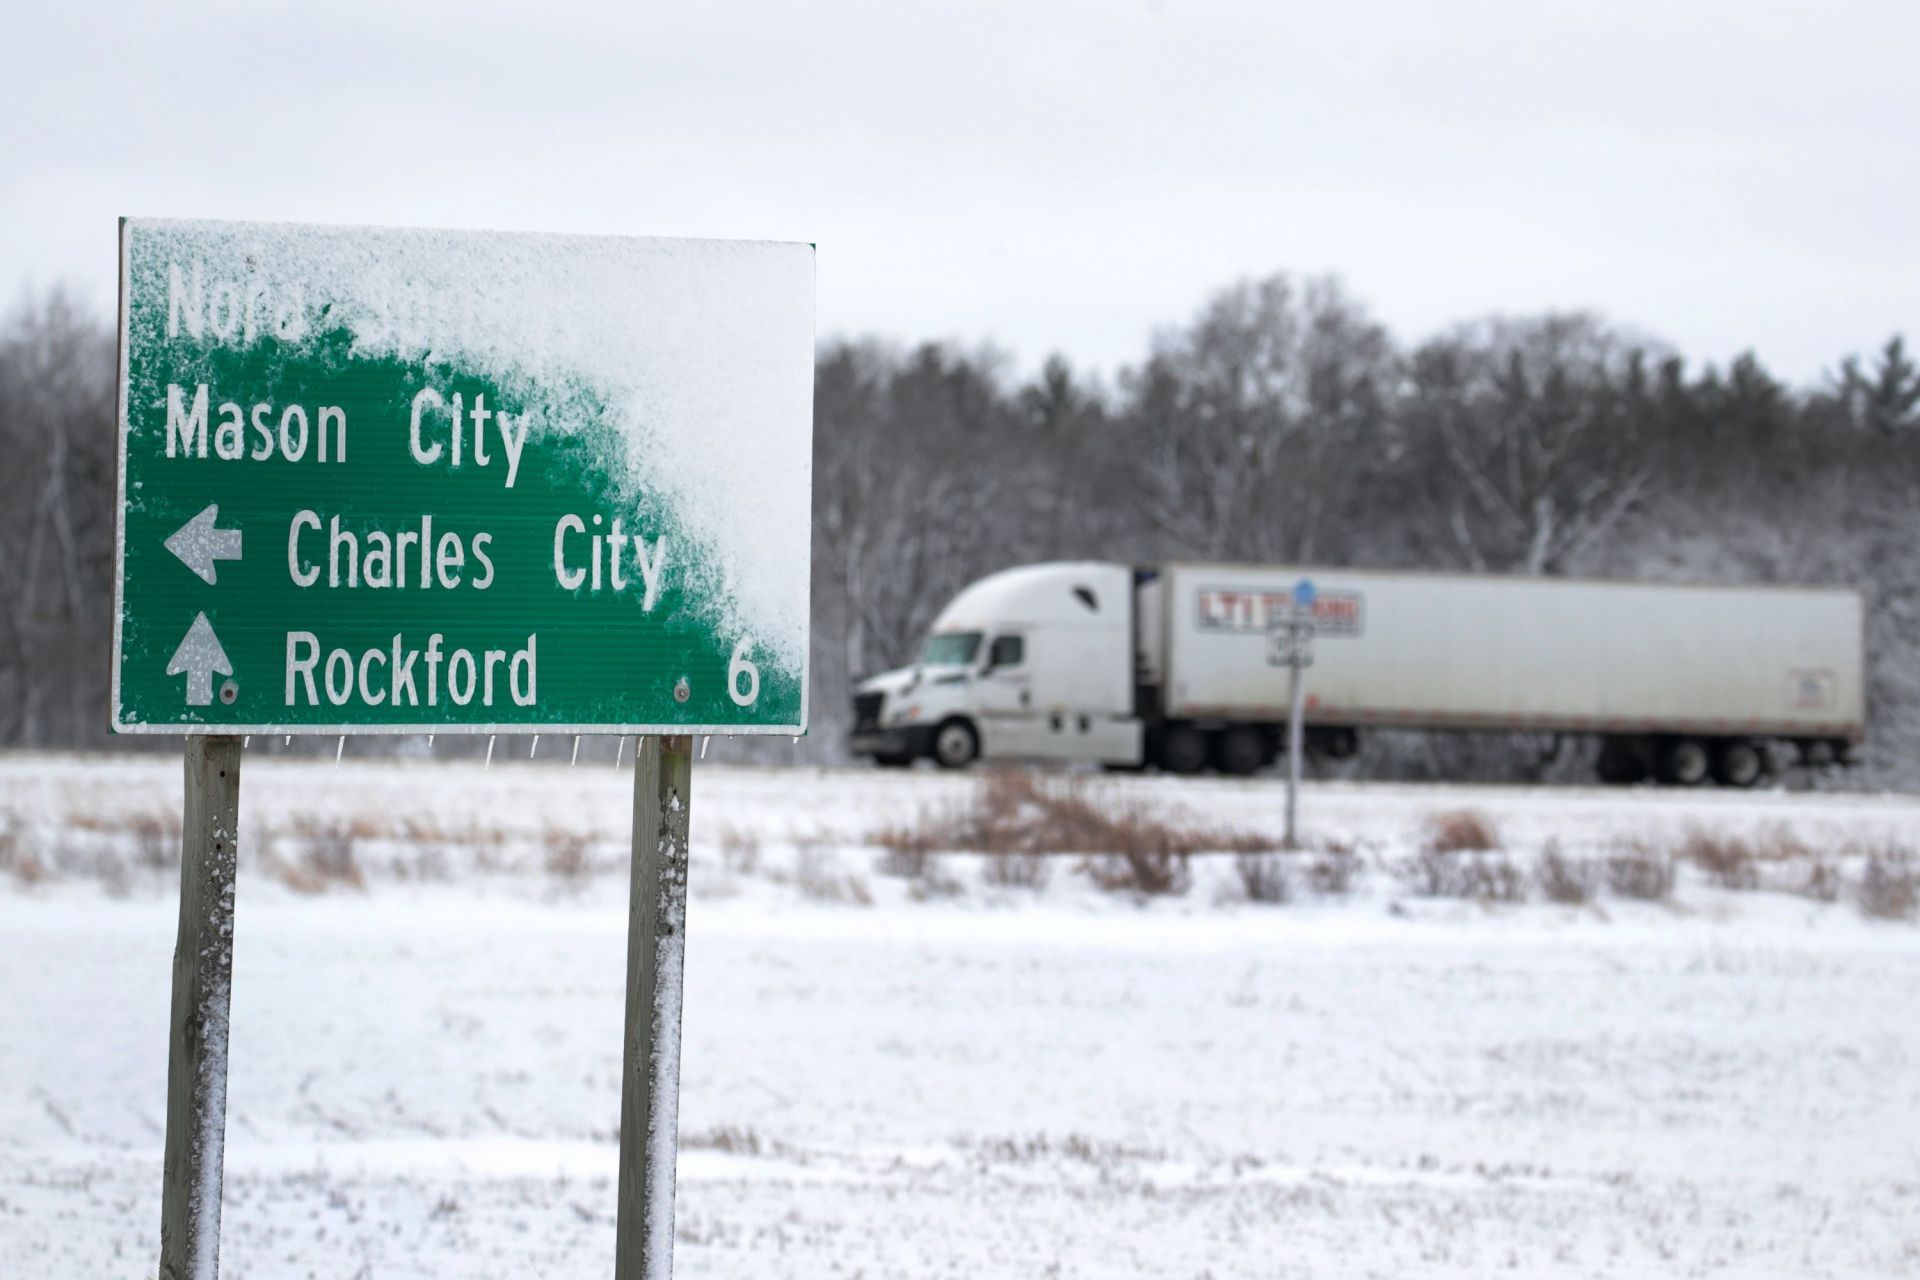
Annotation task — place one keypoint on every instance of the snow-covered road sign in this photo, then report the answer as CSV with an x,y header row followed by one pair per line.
x,y
382,480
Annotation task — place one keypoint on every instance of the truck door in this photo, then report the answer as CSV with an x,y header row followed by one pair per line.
x,y
1006,683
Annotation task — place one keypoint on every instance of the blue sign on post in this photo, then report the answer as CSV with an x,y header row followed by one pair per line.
x,y
1303,593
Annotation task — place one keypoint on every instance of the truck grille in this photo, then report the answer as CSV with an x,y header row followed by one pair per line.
x,y
866,710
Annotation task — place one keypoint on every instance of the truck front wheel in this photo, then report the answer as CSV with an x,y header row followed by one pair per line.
x,y
956,745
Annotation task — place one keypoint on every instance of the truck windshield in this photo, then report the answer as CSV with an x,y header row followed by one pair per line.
x,y
950,649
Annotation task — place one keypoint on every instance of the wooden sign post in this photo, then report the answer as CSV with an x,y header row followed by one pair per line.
x,y
202,994
656,951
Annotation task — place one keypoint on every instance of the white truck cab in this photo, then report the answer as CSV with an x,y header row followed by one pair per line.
x,y
1030,663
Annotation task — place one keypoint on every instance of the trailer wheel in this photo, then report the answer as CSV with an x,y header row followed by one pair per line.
x,y
1623,761
1685,762
1335,742
1183,749
1739,762
1240,751
955,745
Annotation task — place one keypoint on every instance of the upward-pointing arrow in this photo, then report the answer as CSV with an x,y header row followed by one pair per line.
x,y
199,544
199,656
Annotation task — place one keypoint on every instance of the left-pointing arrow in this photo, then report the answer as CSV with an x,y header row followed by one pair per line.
x,y
199,656
199,544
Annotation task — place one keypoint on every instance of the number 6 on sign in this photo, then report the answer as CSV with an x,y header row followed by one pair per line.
x,y
739,666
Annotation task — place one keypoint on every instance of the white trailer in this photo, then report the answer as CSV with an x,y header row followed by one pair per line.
x,y
1176,665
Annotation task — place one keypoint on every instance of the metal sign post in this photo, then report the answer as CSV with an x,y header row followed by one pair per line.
x,y
1293,646
378,480
202,995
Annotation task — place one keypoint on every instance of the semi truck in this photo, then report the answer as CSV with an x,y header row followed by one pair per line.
x,y
1184,667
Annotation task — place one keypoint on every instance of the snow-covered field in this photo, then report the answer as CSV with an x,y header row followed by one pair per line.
x,y
973,1082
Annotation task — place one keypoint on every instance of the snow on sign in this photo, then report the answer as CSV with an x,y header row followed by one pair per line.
x,y
385,481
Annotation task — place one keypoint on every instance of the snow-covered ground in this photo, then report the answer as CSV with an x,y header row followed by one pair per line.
x,y
973,1082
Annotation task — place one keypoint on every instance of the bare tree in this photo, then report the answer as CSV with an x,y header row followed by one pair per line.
x,y
56,520
1250,425
1539,441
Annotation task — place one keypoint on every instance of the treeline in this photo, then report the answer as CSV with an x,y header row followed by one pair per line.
x,y
1283,423
1280,422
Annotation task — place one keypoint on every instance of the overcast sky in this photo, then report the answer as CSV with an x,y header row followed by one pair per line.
x,y
1043,176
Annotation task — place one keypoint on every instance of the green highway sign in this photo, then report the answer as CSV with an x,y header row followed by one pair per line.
x,y
400,481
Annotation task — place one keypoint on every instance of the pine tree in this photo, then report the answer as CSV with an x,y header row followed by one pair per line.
x,y
1892,396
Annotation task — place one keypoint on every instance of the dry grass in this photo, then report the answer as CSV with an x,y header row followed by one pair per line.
x,y
1571,881
1889,887
813,841
1639,870
327,857
1821,881
15,859
932,882
1145,873
739,851
1469,874
1726,860
483,842
1459,858
433,845
156,838
904,862
922,869
1264,877
1015,818
425,862
1332,871
1461,831
111,870
569,855
1039,1148
1014,811
1780,843
818,876
729,1138
422,830
911,839
1017,870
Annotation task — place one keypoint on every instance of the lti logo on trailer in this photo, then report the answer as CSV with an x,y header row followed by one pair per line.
x,y
397,481
1334,613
